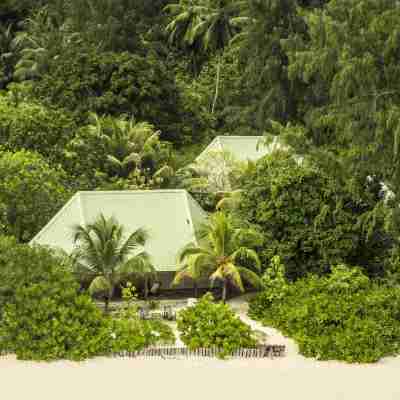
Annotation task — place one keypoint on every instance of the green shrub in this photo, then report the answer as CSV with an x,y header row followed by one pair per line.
x,y
50,320
34,127
22,265
310,220
275,287
133,334
209,324
30,193
45,318
343,316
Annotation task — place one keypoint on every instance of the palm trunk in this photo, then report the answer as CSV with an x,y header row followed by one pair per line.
x,y
146,287
224,291
217,83
108,298
106,303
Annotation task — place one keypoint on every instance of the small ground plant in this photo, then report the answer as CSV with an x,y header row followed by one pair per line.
x,y
209,324
343,316
129,333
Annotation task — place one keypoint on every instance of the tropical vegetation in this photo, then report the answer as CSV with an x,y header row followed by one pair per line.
x,y
107,257
209,324
341,316
44,315
221,255
125,94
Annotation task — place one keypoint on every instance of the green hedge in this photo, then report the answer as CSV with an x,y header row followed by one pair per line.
x,y
343,316
209,324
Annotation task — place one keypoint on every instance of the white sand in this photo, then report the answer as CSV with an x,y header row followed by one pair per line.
x,y
292,377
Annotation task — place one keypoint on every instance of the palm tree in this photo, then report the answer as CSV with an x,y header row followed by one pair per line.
x,y
220,255
186,17
130,146
208,22
103,253
143,268
189,269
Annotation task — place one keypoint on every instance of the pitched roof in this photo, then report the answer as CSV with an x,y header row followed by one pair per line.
x,y
241,147
170,216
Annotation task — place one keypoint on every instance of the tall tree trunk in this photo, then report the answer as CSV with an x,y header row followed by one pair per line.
x,y
224,291
217,83
146,287
195,289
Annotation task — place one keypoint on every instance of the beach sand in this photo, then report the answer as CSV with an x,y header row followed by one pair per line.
x,y
292,377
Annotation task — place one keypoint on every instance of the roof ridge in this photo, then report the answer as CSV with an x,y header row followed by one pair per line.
x,y
117,192
240,136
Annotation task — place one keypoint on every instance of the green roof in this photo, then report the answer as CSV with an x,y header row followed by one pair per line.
x,y
170,216
241,147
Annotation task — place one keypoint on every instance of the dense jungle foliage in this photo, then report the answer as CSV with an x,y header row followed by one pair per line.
x,y
125,94
82,81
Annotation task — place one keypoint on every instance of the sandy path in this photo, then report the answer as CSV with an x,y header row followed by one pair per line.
x,y
289,378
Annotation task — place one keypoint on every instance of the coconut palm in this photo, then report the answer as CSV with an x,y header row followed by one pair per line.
x,y
188,269
186,17
220,256
208,22
143,268
106,255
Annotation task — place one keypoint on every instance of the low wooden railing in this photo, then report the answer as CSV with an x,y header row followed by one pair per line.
x,y
263,351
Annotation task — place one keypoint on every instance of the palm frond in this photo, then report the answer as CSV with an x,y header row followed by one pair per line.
x,y
244,253
135,241
189,250
232,273
138,265
250,277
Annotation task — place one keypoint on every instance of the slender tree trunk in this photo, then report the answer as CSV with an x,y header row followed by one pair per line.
x,y
217,83
146,287
195,289
109,298
106,304
224,291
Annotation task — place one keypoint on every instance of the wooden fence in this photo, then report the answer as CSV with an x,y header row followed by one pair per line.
x,y
265,351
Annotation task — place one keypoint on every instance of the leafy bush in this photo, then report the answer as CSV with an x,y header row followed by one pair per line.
x,y
309,220
132,334
30,193
343,316
209,324
49,320
22,265
32,126
45,317
274,284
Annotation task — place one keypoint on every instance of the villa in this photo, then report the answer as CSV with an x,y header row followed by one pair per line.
x,y
225,153
242,148
171,218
